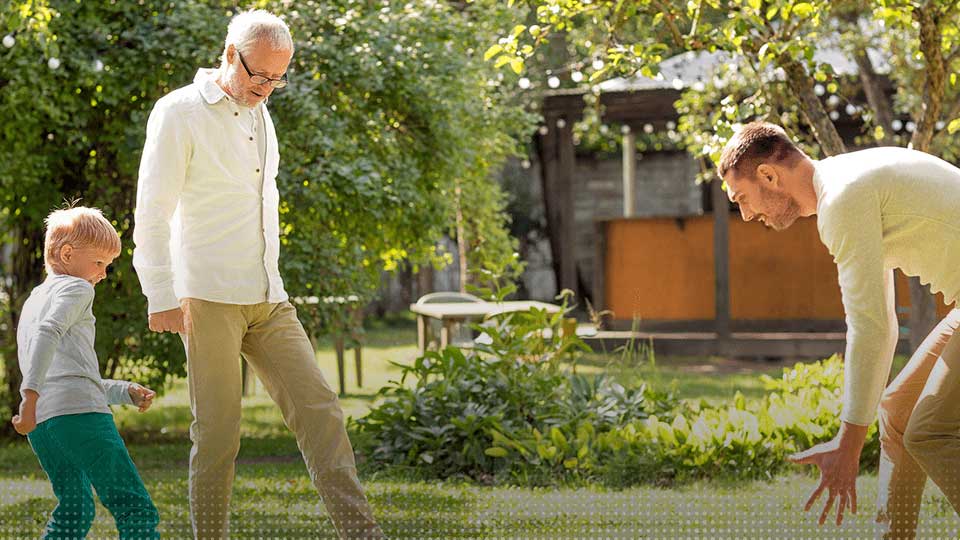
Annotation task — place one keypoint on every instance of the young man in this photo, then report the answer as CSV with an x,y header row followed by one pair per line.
x,y
877,209
208,181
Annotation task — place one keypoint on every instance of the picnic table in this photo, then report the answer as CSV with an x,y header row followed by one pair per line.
x,y
451,313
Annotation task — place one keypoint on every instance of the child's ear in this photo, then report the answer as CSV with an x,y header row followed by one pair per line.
x,y
66,252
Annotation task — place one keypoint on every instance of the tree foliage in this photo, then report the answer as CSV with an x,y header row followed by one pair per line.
x,y
389,107
778,71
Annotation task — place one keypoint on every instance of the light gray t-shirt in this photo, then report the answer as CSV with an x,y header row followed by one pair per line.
x,y
55,349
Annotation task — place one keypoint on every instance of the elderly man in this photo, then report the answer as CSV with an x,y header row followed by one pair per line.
x,y
877,210
207,250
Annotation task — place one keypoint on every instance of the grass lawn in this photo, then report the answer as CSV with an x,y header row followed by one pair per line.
x,y
273,497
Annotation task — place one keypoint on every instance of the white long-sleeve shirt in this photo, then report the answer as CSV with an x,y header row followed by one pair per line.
x,y
880,209
207,219
55,339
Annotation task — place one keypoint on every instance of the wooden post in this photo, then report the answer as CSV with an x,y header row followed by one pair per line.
x,y
566,189
629,172
339,345
421,333
445,331
358,364
249,379
600,265
721,263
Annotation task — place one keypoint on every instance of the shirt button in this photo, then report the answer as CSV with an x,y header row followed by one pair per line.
x,y
251,138
236,114
258,170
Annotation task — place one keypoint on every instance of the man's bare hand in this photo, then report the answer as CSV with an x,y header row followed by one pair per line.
x,y
167,321
839,464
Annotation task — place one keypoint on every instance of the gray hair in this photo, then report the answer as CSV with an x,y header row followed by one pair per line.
x,y
250,27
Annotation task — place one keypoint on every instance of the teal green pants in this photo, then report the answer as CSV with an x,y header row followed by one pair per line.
x,y
78,451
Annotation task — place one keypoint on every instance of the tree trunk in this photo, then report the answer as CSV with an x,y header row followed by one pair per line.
x,y
933,86
461,240
923,313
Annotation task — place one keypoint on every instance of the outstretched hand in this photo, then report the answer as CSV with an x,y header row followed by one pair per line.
x,y
839,464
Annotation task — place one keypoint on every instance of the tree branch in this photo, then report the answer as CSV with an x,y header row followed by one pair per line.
x,y
671,24
876,97
801,85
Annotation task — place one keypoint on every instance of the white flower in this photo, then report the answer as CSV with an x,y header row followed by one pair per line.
x,y
97,65
9,41
53,63
554,82
524,83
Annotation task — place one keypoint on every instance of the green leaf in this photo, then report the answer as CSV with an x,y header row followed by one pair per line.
x,y
492,51
496,451
570,463
502,61
772,12
755,5
558,437
517,30
516,64
803,10
953,126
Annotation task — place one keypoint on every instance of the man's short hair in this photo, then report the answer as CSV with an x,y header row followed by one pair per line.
x,y
80,227
254,26
754,144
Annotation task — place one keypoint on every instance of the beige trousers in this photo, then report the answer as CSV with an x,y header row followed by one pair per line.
x,y
920,431
271,339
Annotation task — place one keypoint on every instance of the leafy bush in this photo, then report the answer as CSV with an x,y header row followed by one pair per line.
x,y
513,412
466,404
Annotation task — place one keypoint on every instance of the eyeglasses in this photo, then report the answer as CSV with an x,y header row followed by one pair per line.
x,y
260,79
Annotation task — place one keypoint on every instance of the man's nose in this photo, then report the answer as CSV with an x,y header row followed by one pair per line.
x,y
746,214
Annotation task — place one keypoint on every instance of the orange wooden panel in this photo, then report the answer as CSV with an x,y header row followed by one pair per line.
x,y
903,297
781,274
660,268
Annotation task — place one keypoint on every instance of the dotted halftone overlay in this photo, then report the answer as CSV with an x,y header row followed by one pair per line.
x,y
277,501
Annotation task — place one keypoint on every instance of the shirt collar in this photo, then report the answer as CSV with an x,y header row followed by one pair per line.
x,y
206,79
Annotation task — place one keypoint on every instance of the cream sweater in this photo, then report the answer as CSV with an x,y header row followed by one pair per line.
x,y
880,209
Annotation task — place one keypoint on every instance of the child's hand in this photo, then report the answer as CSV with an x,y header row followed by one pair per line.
x,y
142,396
26,421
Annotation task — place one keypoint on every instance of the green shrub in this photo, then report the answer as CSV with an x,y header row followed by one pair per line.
x,y
514,412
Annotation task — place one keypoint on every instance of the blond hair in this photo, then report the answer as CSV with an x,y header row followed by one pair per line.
x,y
80,227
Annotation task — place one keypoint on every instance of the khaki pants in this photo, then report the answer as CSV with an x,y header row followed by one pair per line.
x,y
270,338
920,431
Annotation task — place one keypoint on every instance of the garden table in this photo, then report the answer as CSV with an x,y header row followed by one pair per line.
x,y
450,313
